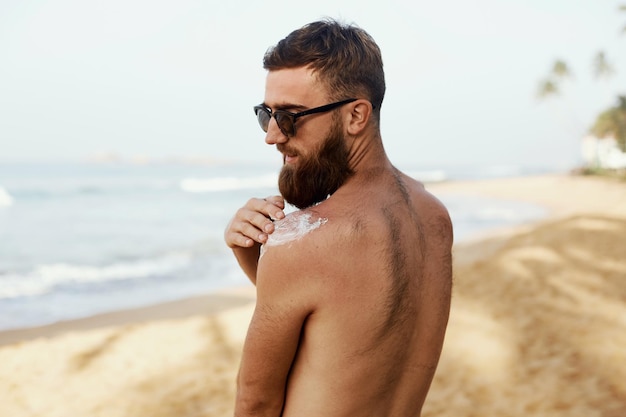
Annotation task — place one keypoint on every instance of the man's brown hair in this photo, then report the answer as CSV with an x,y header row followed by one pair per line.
x,y
344,57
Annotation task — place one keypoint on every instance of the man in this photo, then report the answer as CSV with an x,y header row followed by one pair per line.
x,y
353,290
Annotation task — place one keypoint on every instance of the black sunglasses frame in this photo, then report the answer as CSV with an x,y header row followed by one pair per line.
x,y
290,130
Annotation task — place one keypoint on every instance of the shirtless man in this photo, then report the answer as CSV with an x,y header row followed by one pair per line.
x,y
353,290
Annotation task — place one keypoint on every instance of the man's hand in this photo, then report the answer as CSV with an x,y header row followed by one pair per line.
x,y
250,228
253,222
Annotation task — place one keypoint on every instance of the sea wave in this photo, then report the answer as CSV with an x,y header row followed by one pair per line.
x,y
45,278
436,175
507,214
204,185
6,199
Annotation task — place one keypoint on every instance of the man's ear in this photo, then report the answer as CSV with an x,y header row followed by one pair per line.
x,y
361,112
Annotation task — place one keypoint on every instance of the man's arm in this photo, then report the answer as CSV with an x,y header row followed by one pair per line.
x,y
284,301
249,228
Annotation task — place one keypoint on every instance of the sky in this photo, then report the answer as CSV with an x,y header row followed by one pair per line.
x,y
152,79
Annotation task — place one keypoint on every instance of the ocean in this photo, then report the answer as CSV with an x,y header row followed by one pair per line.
x,y
78,239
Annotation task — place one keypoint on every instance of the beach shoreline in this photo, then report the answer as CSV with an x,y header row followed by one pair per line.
x,y
538,190
205,304
562,194
530,304
201,304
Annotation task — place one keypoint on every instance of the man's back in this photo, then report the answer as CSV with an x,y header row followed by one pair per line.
x,y
373,280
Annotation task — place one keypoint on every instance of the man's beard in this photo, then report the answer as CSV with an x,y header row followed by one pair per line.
x,y
314,177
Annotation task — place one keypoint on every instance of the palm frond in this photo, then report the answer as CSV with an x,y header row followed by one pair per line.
x,y
547,88
602,68
560,69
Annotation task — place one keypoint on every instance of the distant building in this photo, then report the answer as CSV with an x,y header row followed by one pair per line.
x,y
603,153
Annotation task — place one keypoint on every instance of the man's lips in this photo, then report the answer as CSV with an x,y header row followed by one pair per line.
x,y
288,155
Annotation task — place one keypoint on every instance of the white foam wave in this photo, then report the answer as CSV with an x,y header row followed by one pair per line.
x,y
437,175
507,214
5,198
204,185
498,171
45,278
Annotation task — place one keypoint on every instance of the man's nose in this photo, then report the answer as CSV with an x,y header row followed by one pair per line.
x,y
274,134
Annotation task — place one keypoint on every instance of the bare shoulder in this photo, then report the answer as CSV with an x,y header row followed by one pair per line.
x,y
296,253
295,226
434,216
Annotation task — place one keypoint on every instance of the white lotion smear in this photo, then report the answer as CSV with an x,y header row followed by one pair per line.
x,y
291,228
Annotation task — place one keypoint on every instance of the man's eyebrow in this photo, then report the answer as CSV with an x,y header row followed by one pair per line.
x,y
286,106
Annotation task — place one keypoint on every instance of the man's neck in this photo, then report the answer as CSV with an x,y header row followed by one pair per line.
x,y
367,153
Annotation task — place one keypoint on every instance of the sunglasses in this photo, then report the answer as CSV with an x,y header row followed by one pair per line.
x,y
286,120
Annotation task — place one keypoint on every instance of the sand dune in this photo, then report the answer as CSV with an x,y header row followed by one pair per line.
x,y
166,367
538,327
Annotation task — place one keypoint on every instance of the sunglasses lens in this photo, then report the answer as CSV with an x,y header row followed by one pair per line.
x,y
263,116
285,123
284,120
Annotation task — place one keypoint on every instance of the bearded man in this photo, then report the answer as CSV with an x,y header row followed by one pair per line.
x,y
353,289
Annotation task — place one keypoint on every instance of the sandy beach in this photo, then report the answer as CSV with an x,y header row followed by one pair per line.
x,y
537,328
